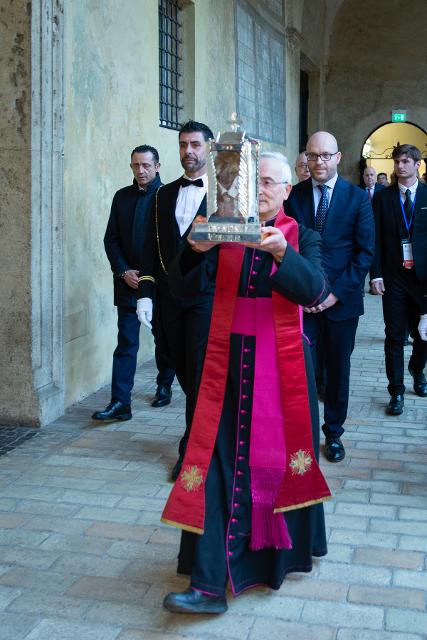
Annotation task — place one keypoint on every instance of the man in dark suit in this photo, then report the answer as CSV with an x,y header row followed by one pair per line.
x,y
123,241
185,323
341,213
399,272
371,185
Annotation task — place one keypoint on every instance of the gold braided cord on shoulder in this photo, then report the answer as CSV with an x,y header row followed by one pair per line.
x,y
158,237
149,278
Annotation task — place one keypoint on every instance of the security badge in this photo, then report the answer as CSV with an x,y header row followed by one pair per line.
x,y
408,258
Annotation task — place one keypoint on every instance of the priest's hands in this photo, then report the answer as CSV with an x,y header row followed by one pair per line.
x,y
272,241
199,246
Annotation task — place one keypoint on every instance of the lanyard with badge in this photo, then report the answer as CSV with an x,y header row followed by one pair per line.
x,y
408,258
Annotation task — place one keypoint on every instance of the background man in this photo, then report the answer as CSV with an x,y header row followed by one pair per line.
x,y
236,455
184,323
341,213
399,272
123,243
382,179
301,167
371,184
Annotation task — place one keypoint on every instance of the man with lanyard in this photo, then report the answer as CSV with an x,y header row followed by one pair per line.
x,y
249,496
399,272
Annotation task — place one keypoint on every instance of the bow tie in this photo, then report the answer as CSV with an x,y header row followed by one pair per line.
x,y
196,183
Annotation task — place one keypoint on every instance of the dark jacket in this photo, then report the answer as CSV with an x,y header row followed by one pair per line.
x,y
163,240
347,241
390,230
125,234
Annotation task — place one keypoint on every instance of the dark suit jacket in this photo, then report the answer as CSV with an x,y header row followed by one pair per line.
x,y
124,236
347,241
163,240
390,230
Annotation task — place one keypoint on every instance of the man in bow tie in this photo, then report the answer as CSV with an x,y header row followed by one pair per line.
x,y
184,323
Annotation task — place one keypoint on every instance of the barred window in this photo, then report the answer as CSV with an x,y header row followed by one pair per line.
x,y
260,76
170,64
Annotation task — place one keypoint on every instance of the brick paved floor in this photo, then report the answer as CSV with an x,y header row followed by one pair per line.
x,y
83,555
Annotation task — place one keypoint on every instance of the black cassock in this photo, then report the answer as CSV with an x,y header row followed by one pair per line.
x,y
222,553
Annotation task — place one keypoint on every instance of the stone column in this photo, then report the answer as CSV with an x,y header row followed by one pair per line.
x,y
31,140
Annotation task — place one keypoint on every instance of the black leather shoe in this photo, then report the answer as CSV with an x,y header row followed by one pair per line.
x,y
192,601
116,410
176,469
395,406
420,383
334,449
162,397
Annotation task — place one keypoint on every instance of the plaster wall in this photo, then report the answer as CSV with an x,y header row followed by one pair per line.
x,y
18,400
371,71
111,105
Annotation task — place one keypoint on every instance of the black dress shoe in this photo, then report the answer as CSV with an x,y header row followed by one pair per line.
x,y
395,406
334,449
116,410
176,469
420,383
162,397
193,601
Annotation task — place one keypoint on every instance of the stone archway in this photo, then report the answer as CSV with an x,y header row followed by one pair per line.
x,y
377,148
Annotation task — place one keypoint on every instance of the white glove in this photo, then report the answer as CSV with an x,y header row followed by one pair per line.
x,y
422,327
144,311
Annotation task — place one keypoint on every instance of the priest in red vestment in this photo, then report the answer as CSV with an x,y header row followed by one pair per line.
x,y
250,494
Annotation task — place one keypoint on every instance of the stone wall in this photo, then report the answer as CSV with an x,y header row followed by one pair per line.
x,y
15,220
377,60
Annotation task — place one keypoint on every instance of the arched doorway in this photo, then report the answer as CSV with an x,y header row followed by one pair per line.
x,y
378,146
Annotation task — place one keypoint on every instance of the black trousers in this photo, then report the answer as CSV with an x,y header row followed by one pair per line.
x,y
186,327
337,339
401,309
125,356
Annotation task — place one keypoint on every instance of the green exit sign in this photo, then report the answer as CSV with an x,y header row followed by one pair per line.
x,y
398,116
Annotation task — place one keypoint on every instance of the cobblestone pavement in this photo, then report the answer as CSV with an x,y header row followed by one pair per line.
x,y
83,555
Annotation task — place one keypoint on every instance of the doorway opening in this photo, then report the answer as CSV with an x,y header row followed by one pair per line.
x,y
378,146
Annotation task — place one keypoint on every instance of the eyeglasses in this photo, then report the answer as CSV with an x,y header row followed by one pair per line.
x,y
313,157
302,165
268,183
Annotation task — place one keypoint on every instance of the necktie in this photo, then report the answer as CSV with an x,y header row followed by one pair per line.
x,y
408,204
322,208
369,193
196,183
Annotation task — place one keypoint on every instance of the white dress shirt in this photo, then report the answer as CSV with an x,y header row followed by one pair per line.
x,y
412,189
317,192
188,202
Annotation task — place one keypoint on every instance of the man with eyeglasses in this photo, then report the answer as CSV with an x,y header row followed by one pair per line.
x,y
342,214
301,167
249,496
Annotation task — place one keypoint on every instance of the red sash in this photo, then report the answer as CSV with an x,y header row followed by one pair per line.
x,y
303,483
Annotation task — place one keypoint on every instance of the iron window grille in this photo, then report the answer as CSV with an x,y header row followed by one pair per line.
x,y
170,64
